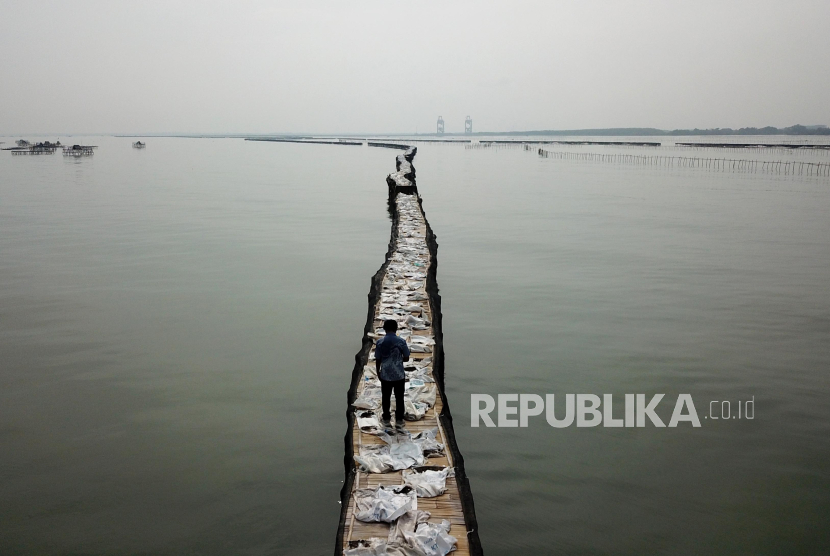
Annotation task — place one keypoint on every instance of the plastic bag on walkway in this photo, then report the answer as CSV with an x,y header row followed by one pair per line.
x,y
369,398
421,391
414,411
392,456
408,522
366,419
429,446
423,340
432,539
371,547
369,423
427,539
379,547
412,321
387,316
429,483
383,504
424,374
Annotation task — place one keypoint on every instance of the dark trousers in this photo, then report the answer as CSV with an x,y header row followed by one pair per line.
x,y
386,387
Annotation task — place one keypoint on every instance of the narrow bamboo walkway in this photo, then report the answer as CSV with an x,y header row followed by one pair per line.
x,y
448,505
433,513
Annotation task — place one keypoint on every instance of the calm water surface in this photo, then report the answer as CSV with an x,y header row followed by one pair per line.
x,y
177,328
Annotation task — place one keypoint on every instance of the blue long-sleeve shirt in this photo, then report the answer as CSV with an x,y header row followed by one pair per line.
x,y
383,349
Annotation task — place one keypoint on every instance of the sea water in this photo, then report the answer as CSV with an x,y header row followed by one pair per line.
x,y
179,325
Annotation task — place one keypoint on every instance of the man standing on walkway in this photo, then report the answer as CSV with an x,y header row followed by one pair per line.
x,y
390,353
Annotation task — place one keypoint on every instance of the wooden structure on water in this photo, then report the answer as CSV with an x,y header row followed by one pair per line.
x,y
24,147
419,140
49,148
410,231
79,150
389,145
33,150
303,140
408,272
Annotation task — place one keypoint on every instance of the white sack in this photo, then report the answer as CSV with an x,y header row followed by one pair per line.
x,y
390,457
426,441
369,398
414,411
368,422
429,483
383,505
419,390
432,539
371,547
406,523
423,340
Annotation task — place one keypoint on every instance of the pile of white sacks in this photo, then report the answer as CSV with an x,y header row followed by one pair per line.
x,y
404,299
405,170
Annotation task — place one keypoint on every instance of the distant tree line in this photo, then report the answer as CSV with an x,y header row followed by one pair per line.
x,y
647,131
769,130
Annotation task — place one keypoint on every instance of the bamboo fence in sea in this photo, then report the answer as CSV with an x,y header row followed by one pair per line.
x,y
718,164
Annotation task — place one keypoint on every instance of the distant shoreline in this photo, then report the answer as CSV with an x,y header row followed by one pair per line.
x,y
820,130
649,131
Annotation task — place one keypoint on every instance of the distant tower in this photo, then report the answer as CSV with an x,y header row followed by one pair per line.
x,y
440,125
468,125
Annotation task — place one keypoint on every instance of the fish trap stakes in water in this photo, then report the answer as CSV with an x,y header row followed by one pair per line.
x,y
718,164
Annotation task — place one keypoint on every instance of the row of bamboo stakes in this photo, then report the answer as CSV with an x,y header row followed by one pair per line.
x,y
720,164
759,150
808,151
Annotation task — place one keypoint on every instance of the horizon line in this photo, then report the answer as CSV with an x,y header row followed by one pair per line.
x,y
816,129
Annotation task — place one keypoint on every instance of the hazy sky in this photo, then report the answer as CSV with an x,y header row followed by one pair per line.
x,y
395,66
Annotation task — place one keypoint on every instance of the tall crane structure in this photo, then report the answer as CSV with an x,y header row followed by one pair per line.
x,y
440,125
468,125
